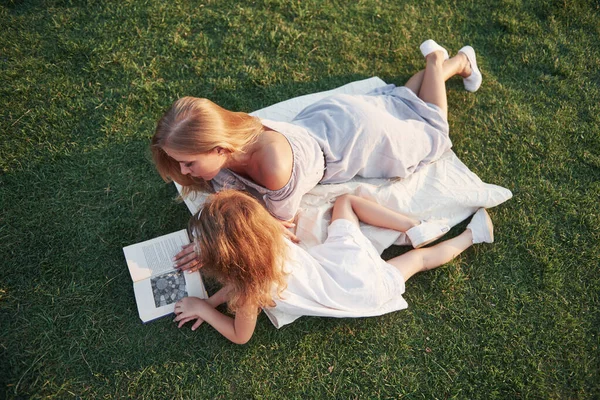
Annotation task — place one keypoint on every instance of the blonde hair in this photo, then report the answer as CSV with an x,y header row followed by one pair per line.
x,y
195,126
241,245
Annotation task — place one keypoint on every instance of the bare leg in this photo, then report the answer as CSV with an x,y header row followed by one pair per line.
x,y
415,81
457,65
433,87
354,208
419,260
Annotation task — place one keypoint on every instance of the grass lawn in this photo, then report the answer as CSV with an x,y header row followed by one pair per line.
x,y
82,84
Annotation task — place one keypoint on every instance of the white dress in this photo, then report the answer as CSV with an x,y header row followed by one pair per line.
x,y
387,133
343,277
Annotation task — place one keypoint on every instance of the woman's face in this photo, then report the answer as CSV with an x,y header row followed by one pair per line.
x,y
203,165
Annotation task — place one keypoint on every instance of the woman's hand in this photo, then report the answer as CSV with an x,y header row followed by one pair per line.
x,y
287,232
187,260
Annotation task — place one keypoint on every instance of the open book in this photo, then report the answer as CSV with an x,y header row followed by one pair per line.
x,y
156,284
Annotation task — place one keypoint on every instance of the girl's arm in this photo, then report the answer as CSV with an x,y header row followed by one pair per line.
x,y
220,297
239,329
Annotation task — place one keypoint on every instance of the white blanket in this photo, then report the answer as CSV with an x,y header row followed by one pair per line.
x,y
445,189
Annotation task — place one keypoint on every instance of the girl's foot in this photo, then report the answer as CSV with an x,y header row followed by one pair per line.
x,y
426,232
429,46
481,227
472,81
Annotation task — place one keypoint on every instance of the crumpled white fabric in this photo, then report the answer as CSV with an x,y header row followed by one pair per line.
x,y
446,189
343,278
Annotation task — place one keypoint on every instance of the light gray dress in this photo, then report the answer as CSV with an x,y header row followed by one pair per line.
x,y
386,133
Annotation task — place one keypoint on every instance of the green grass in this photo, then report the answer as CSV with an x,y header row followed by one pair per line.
x,y
81,87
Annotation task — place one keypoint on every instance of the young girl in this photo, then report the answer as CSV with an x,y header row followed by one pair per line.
x,y
241,245
387,133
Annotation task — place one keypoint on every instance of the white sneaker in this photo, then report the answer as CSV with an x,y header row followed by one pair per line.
x,y
473,81
429,46
426,232
481,227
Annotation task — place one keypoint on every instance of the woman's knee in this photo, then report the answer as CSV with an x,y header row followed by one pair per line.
x,y
435,58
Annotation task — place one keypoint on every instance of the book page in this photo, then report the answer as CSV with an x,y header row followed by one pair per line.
x,y
157,296
154,256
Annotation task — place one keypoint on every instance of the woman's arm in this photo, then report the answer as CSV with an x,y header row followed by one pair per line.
x,y
186,259
239,329
285,228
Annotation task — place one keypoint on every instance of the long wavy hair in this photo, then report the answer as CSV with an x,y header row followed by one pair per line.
x,y
242,246
194,126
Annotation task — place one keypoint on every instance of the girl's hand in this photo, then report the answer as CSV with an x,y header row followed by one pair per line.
x,y
189,309
186,259
287,232
182,322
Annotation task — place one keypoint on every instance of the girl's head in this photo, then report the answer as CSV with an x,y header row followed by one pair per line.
x,y
195,137
241,245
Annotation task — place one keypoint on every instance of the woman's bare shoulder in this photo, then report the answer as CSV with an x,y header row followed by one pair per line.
x,y
275,162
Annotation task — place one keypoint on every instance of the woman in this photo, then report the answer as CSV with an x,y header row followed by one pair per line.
x,y
389,132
